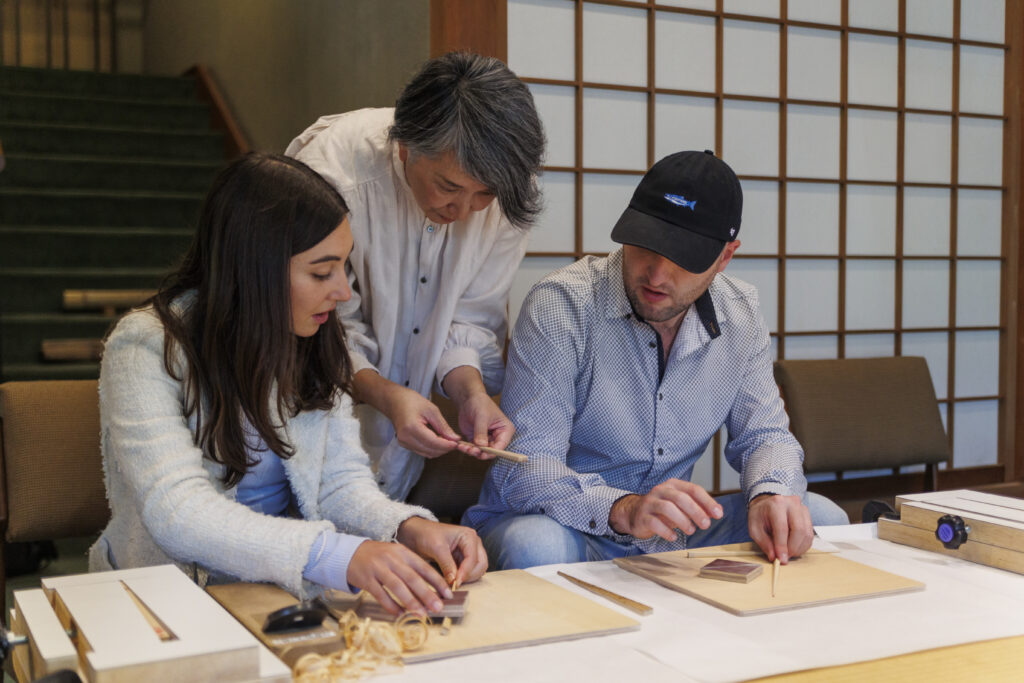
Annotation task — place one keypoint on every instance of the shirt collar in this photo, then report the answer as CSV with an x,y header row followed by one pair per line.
x,y
399,169
618,305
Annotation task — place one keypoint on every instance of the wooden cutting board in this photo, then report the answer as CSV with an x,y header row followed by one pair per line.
x,y
814,579
503,610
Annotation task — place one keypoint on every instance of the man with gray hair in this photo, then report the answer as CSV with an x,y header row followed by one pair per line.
x,y
434,254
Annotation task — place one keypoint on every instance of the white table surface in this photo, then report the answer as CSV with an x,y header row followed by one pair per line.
x,y
687,640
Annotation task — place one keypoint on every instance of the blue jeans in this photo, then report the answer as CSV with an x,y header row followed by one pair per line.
x,y
518,541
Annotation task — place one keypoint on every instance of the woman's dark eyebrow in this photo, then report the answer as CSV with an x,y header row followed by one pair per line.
x,y
324,259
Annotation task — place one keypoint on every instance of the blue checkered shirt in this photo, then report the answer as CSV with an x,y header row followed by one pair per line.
x,y
599,417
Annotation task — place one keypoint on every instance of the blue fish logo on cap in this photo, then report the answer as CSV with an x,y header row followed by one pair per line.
x,y
680,200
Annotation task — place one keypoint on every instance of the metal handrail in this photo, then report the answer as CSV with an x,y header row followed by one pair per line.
x,y
103,14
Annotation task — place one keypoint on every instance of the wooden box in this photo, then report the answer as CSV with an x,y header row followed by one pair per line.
x,y
979,527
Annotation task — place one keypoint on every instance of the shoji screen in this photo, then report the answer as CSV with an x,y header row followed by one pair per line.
x,y
869,138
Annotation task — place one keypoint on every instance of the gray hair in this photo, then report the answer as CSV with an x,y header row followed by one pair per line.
x,y
477,109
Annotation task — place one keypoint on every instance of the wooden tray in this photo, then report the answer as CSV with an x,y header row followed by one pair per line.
x,y
504,610
814,579
996,536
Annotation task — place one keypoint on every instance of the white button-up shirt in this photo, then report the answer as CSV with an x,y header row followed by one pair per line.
x,y
426,297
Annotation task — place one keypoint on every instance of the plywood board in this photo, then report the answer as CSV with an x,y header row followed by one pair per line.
x,y
504,610
814,579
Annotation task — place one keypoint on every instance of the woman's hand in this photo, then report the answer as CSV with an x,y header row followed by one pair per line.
x,y
399,579
456,549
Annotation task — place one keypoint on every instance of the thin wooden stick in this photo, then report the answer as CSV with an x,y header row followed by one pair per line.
x,y
711,552
506,455
776,570
161,630
638,607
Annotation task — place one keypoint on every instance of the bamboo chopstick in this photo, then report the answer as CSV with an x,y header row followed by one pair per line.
x,y
638,607
497,452
776,569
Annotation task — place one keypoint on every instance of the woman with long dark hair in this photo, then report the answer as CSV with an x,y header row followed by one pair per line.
x,y
228,440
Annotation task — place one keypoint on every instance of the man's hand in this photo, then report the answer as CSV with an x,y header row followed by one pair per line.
x,y
480,418
781,526
672,504
398,578
456,549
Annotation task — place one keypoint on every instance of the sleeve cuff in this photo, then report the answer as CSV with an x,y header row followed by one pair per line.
x,y
453,358
772,487
329,558
598,502
360,362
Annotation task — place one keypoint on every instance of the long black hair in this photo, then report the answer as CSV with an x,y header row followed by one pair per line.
x,y
236,335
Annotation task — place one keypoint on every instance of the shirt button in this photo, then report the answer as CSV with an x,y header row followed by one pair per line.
x,y
423,280
661,451
415,330
406,382
652,345
541,511
660,396
593,524
430,228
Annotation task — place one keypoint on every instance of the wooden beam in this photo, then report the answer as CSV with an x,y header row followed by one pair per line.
x,y
479,26
221,118
1011,450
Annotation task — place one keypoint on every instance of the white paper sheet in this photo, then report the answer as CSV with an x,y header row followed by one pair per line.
x,y
687,640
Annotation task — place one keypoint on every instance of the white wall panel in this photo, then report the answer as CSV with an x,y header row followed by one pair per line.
x,y
751,58
813,64
760,8
983,20
979,222
880,14
873,62
542,38
556,105
869,345
812,142
820,11
925,293
682,123
871,220
981,80
930,17
976,433
759,229
556,227
812,291
981,151
977,293
605,197
926,221
870,294
977,363
531,271
812,218
614,45
929,80
750,137
934,348
812,347
614,129
927,142
763,274
871,145
684,52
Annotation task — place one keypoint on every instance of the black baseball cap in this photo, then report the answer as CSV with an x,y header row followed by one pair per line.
x,y
685,208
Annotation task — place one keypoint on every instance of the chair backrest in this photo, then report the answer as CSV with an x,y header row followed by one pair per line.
x,y
863,413
51,479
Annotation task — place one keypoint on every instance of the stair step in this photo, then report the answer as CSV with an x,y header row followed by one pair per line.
x,y
91,82
21,372
45,171
64,350
95,247
78,207
22,334
39,138
28,107
34,290
107,301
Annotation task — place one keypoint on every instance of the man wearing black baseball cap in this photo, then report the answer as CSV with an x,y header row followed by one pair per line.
x,y
620,372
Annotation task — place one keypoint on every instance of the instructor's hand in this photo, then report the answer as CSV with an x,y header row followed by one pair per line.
x,y
483,424
780,526
419,425
672,504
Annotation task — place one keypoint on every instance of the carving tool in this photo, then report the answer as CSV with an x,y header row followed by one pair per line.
x,y
776,568
638,607
497,452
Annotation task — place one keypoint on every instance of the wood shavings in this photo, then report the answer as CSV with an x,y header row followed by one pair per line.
x,y
446,626
371,647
